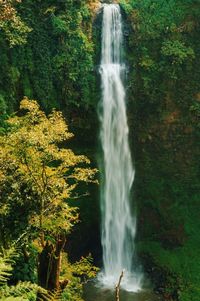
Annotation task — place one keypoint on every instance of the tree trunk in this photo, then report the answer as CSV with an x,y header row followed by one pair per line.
x,y
54,276
50,264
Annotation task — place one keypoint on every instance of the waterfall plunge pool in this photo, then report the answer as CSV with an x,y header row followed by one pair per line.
x,y
93,291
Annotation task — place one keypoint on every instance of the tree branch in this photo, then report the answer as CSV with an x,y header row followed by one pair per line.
x,y
117,288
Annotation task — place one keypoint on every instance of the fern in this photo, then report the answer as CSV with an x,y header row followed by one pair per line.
x,y
25,291
6,261
52,296
22,291
5,271
12,299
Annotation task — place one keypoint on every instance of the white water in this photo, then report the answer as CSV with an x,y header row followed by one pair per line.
x,y
118,221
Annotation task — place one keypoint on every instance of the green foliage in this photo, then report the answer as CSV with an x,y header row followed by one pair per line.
x,y
16,32
164,49
77,274
126,6
56,65
22,291
177,51
38,175
14,29
163,96
25,265
3,105
195,111
6,261
84,268
73,291
37,178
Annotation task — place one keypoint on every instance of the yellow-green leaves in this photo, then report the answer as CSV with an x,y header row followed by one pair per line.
x,y
37,172
15,29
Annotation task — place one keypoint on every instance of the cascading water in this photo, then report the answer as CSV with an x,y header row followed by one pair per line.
x,y
118,222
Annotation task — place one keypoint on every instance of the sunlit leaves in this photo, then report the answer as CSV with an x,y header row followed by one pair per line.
x,y
15,29
84,268
7,11
36,171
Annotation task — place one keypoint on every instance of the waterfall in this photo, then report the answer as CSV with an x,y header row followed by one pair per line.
x,y
118,221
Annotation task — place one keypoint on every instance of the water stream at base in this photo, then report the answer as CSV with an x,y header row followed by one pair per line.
x,y
93,292
118,220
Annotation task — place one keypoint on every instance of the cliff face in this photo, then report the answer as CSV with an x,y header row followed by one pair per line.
x,y
163,106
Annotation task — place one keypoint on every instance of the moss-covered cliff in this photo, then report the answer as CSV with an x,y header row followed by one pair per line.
x,y
164,108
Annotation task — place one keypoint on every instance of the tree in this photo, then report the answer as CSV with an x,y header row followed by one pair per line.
x,y
37,177
15,29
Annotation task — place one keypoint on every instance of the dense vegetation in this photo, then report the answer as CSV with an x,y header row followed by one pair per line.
x,y
49,52
164,108
37,178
